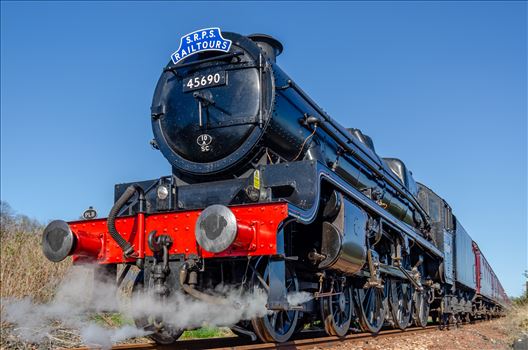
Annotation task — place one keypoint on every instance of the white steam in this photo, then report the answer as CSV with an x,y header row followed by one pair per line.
x,y
96,336
299,298
79,297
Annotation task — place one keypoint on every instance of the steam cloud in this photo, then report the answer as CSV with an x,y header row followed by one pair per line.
x,y
79,296
72,306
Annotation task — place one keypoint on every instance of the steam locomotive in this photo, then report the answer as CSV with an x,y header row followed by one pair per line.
x,y
270,193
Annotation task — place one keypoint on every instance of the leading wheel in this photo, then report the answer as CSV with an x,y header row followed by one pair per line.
x,y
337,310
372,308
278,326
162,333
400,300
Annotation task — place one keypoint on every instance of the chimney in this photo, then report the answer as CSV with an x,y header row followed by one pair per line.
x,y
269,46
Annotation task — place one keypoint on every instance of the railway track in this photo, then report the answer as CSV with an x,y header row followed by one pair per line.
x,y
305,340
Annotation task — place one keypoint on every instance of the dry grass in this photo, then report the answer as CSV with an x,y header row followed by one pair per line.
x,y
515,324
24,270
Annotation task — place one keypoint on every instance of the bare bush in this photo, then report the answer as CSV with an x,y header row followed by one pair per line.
x,y
24,270
515,324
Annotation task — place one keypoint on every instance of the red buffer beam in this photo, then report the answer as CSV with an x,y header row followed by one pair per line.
x,y
89,240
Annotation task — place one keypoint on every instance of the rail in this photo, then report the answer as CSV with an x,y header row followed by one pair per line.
x,y
304,340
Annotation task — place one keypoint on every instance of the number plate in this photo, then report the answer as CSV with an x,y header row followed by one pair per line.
x,y
203,81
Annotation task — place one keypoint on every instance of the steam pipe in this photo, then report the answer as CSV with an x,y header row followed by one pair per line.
x,y
128,249
196,293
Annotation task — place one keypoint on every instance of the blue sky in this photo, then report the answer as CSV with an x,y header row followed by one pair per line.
x,y
441,85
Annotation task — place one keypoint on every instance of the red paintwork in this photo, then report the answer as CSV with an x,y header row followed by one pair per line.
x,y
476,250
488,283
87,244
141,238
257,230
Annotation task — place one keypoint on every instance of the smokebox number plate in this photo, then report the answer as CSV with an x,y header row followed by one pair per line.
x,y
203,81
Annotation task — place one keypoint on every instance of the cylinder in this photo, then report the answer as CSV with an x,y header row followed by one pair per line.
x,y
343,240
